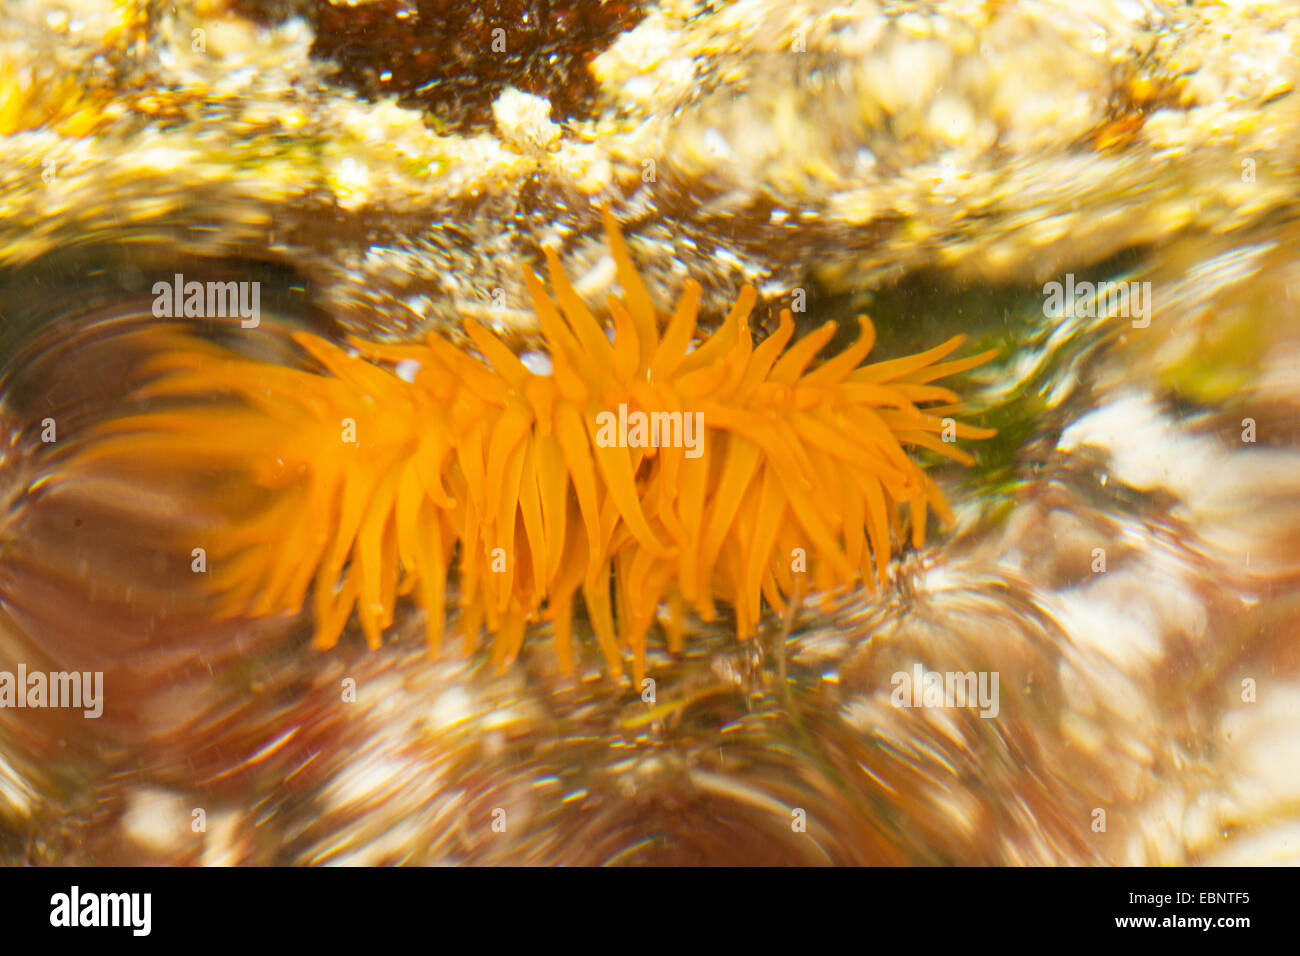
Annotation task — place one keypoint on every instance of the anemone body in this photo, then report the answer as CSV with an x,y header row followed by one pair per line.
x,y
357,482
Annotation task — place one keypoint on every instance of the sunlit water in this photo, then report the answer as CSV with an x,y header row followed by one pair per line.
x,y
1122,583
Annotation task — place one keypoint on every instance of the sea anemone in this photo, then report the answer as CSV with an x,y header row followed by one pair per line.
x,y
375,473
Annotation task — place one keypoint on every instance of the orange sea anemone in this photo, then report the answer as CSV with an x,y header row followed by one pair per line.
x,y
374,474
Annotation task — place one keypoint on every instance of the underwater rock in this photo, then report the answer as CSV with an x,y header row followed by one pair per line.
x,y
1125,554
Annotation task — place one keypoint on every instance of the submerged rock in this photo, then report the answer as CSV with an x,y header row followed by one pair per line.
x,y
1127,559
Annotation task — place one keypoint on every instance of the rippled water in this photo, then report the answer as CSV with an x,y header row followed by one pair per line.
x,y
1124,563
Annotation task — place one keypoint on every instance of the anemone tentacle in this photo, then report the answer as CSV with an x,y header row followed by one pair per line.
x,y
361,485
